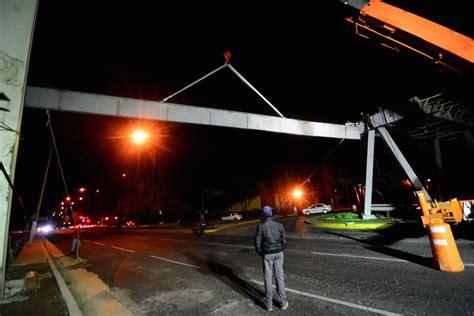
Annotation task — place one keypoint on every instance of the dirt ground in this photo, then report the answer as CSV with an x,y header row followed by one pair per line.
x,y
45,299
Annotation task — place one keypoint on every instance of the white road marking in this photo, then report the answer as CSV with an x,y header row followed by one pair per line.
x,y
249,247
355,256
122,249
177,262
370,258
208,243
229,245
336,301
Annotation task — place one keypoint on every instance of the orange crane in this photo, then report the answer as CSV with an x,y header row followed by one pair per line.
x,y
401,30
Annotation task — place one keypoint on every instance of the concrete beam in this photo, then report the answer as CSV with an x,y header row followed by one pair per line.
x,y
98,104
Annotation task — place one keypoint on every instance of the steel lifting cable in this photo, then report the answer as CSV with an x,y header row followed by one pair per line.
x,y
59,163
255,90
193,83
226,64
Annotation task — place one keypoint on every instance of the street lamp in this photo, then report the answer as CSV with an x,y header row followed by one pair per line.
x,y
139,136
297,193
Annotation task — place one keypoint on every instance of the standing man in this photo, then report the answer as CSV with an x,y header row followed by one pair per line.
x,y
270,241
202,225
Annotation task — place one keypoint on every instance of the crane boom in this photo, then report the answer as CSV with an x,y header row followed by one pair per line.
x,y
401,30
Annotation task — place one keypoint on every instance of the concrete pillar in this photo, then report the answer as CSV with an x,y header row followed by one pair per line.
x,y
369,175
17,20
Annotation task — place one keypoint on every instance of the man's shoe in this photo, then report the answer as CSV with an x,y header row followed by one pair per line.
x,y
270,309
284,305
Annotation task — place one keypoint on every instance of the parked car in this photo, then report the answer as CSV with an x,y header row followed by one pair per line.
x,y
232,217
317,208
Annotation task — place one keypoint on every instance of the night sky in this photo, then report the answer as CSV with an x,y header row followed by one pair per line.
x,y
301,56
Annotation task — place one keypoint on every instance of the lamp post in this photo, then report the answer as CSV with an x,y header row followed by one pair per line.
x,y
139,137
297,195
152,185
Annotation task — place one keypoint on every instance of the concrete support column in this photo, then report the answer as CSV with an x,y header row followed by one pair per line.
x,y
17,20
369,175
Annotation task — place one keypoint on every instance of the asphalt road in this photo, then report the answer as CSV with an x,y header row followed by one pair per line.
x,y
174,272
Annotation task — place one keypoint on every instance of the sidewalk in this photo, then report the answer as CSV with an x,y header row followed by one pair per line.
x,y
33,285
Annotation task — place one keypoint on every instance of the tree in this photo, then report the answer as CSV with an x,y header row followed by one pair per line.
x,y
179,210
133,204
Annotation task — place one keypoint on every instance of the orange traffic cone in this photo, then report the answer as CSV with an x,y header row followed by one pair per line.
x,y
443,246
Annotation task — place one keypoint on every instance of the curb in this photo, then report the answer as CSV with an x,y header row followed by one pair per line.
x,y
213,230
71,303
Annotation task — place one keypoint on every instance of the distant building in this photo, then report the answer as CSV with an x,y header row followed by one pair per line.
x,y
246,206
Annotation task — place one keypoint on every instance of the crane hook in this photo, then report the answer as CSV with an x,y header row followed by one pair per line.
x,y
227,55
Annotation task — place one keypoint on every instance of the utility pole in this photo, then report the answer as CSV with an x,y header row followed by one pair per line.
x,y
40,199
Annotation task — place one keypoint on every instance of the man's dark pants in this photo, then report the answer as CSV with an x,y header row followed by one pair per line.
x,y
273,262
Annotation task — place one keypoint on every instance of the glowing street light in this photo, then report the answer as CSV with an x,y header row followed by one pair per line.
x,y
297,193
139,136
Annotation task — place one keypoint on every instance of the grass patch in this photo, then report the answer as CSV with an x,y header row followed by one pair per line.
x,y
348,217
